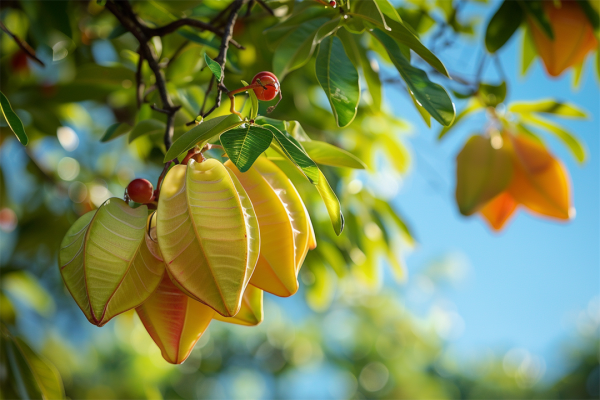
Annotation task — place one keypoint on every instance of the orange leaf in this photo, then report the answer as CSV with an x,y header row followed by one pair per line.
x,y
483,170
499,210
541,182
174,321
573,37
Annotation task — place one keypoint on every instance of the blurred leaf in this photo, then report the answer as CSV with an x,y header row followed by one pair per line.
x,y
332,203
385,207
503,25
299,46
499,210
193,36
115,130
304,11
535,9
590,13
290,148
201,133
482,172
46,374
577,73
397,152
573,144
431,96
547,106
25,287
528,50
245,145
472,106
339,79
117,31
422,111
13,120
147,127
492,95
320,294
214,67
327,154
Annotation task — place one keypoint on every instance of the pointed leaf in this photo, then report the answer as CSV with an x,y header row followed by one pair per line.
x,y
431,96
339,79
13,120
293,150
472,106
174,321
208,234
528,51
244,145
498,211
482,172
332,203
214,67
114,131
535,10
503,25
548,106
327,154
205,131
254,99
251,312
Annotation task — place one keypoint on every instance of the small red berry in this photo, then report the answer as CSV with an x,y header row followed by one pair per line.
x,y
140,191
332,3
269,85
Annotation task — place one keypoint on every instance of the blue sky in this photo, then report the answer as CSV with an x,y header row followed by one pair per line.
x,y
525,284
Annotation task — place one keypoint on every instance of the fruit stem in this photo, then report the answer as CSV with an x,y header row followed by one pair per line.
x,y
242,89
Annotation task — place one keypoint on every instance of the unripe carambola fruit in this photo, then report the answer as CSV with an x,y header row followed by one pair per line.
x,y
573,36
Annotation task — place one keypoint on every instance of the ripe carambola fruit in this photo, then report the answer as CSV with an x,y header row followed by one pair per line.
x,y
251,312
573,36
540,182
208,234
482,172
107,263
498,211
285,228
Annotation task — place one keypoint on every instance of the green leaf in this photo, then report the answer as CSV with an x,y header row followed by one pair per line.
x,y
528,50
299,46
202,132
289,147
591,14
432,96
535,9
398,154
339,79
254,99
13,120
327,154
548,106
245,145
262,120
422,111
571,142
214,67
332,203
46,374
385,206
117,31
147,127
404,36
503,25
115,130
577,73
373,9
472,106
193,36
492,95
303,12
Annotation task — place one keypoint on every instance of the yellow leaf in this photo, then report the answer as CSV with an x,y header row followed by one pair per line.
x,y
251,312
499,210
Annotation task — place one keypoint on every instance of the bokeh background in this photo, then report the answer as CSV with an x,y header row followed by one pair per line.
x,y
477,314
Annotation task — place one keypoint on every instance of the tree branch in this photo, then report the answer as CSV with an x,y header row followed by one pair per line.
x,y
173,26
23,45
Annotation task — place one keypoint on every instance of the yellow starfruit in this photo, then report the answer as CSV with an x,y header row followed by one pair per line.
x,y
251,312
499,210
573,36
285,227
107,262
174,321
208,234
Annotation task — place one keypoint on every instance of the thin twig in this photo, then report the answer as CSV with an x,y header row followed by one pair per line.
x,y
266,7
23,45
173,26
138,79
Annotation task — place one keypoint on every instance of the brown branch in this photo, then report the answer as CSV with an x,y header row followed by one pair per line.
x,y
139,93
23,45
266,7
173,26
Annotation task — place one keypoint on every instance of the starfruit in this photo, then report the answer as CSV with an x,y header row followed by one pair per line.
x,y
174,321
107,262
208,234
285,228
498,211
482,172
540,182
573,36
251,312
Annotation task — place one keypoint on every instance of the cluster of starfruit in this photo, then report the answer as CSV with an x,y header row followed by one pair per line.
x,y
217,240
501,171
